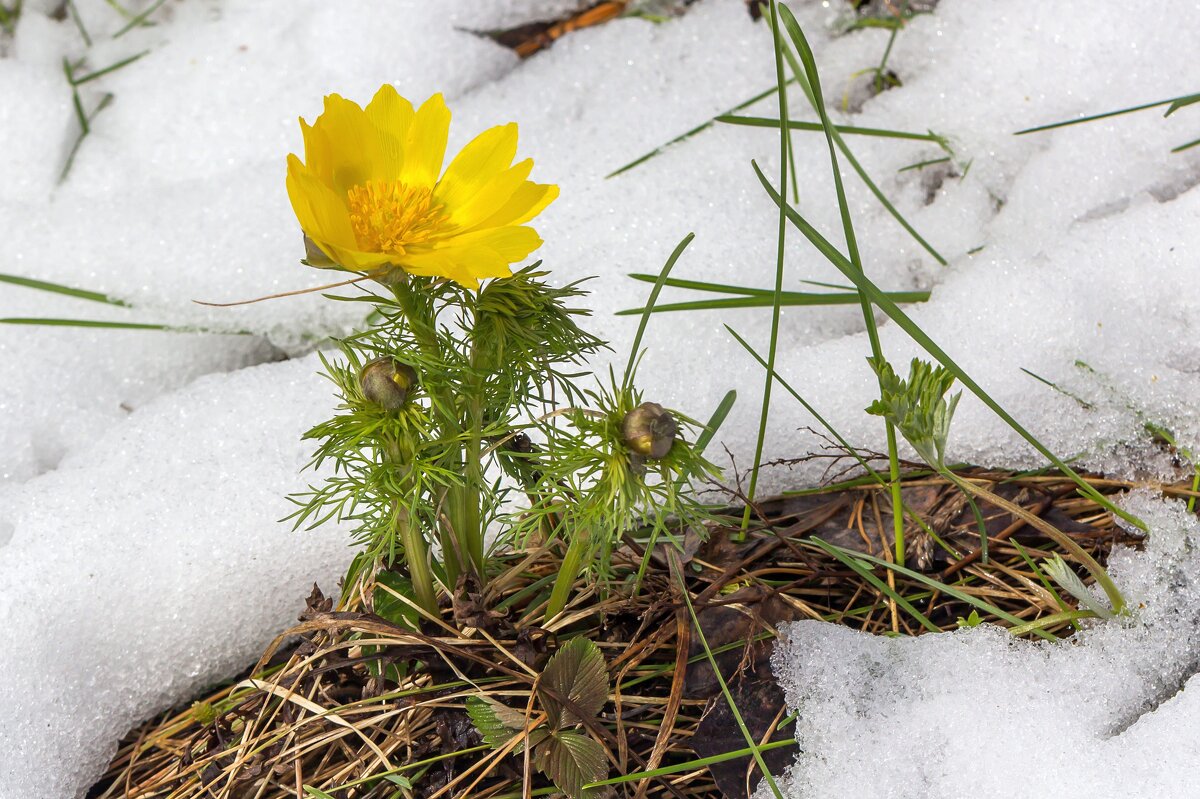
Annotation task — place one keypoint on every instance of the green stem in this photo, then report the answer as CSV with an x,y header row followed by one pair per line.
x,y
471,536
569,570
416,549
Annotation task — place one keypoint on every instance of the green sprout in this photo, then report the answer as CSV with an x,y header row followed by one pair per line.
x,y
919,409
917,406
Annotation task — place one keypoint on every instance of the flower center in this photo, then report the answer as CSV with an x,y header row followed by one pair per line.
x,y
389,216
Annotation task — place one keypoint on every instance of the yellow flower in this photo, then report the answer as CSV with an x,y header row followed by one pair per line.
x,y
372,195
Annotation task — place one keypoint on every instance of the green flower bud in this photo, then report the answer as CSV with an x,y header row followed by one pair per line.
x,y
387,382
649,430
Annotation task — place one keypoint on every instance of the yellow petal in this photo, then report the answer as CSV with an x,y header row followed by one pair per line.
x,y
511,243
472,257
452,264
318,152
483,159
352,151
392,116
425,144
323,217
526,202
490,197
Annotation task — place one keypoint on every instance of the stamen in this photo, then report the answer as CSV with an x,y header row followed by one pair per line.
x,y
390,216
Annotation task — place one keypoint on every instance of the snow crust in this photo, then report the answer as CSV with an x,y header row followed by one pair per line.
x,y
142,474
1111,712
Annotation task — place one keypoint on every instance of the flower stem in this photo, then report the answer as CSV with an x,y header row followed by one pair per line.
x,y
416,549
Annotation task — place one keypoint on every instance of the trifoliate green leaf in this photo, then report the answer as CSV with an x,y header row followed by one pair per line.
x,y
495,721
570,761
577,672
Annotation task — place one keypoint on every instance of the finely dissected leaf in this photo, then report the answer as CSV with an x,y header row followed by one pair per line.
x,y
571,761
917,406
1062,574
577,672
496,722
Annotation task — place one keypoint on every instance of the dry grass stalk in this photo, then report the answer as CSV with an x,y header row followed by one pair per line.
x,y
320,715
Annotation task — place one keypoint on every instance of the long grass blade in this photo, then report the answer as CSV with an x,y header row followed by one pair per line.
x,y
99,323
754,746
791,298
124,62
1182,102
139,20
654,292
700,285
1171,101
690,765
715,421
816,127
812,80
938,585
905,323
688,134
59,288
805,76
1186,146
878,584
785,159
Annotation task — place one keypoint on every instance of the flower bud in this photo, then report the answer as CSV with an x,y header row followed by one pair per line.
x,y
387,382
649,430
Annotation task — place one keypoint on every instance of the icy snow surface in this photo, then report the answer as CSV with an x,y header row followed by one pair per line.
x,y
977,713
141,473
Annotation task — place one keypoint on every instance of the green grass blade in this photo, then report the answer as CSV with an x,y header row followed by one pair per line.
x,y
124,62
83,32
698,129
923,164
99,323
879,585
48,322
785,159
905,323
849,130
654,292
59,288
753,745
1184,100
940,586
699,285
1186,146
805,76
1038,625
715,421
790,298
140,19
690,765
834,286
811,79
